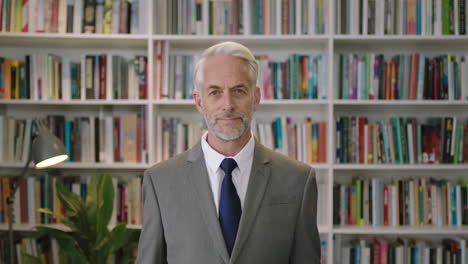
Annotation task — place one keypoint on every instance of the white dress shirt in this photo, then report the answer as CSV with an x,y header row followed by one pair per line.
x,y
240,175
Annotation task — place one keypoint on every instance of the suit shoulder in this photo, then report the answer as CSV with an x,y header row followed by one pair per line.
x,y
171,165
283,163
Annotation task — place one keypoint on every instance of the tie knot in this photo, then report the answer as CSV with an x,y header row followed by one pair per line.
x,y
228,165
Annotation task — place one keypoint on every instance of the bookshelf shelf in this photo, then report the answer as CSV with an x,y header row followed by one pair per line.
x,y
73,102
443,231
399,167
85,165
399,102
30,227
252,41
176,102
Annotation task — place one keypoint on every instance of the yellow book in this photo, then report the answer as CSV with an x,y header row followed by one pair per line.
x,y
18,16
14,79
308,126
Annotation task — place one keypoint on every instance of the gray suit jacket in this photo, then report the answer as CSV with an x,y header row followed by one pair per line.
x,y
278,222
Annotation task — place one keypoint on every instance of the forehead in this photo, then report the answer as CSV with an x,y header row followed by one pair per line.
x,y
225,66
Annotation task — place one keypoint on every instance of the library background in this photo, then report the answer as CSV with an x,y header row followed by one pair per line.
x,y
373,94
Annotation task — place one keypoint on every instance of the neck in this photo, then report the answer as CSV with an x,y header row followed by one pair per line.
x,y
228,148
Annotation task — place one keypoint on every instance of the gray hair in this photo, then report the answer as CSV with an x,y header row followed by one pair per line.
x,y
228,48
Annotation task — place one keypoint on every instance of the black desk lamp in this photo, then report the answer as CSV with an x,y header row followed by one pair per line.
x,y
46,150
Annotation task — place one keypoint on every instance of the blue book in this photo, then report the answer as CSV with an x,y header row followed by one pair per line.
x,y
83,190
311,76
453,202
397,133
67,139
279,135
418,17
45,197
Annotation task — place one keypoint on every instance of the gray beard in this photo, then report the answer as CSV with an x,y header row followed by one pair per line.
x,y
236,133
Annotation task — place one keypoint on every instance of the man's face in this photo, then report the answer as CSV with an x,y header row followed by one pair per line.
x,y
228,98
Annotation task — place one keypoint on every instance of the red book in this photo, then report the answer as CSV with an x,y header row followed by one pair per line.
x,y
322,142
394,80
370,144
385,200
54,18
376,252
116,137
23,201
139,139
361,127
102,76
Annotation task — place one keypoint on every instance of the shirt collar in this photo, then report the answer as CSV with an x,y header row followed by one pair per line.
x,y
241,158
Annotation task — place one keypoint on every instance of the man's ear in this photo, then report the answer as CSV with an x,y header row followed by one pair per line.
x,y
257,96
198,102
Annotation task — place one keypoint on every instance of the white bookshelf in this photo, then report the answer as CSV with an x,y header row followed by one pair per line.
x,y
15,45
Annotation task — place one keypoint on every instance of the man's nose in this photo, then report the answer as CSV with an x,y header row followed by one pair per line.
x,y
228,103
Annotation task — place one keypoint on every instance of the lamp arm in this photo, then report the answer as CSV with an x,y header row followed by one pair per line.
x,y
11,199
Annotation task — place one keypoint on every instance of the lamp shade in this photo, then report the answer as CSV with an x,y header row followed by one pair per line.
x,y
47,149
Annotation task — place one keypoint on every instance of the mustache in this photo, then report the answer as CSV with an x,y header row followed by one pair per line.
x,y
230,115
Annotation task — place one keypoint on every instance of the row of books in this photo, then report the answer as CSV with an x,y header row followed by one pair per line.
x,y
305,141
40,192
401,140
42,247
225,17
173,136
402,202
288,17
403,77
401,17
298,77
450,250
75,16
48,250
232,17
103,139
51,77
180,17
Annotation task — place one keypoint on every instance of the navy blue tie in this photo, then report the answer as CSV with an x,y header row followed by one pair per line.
x,y
229,205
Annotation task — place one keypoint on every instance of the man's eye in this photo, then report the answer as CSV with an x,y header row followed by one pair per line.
x,y
239,91
214,92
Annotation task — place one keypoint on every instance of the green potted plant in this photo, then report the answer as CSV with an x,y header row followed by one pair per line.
x,y
89,239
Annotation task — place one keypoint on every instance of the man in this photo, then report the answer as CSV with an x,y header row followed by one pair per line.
x,y
229,199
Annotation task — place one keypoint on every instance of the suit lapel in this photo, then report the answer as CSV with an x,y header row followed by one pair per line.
x,y
258,181
198,176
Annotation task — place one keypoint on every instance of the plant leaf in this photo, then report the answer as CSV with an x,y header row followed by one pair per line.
x,y
75,208
66,242
106,194
29,259
71,201
114,240
60,216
